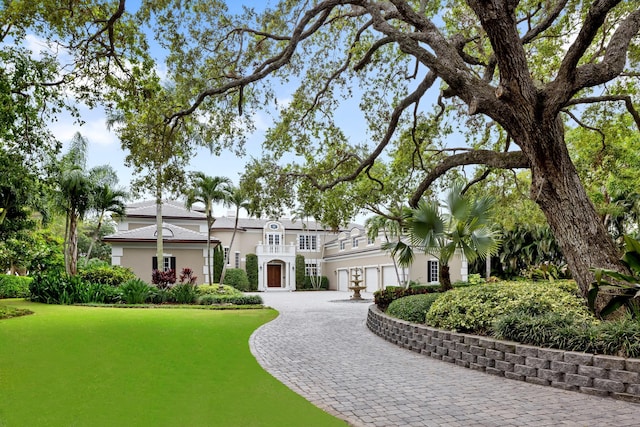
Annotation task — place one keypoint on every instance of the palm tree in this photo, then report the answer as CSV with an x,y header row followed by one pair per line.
x,y
464,227
208,191
235,198
106,199
75,189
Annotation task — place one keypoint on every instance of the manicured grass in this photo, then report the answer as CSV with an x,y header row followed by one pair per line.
x,y
89,366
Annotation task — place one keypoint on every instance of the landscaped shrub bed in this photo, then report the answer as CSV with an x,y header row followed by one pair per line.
x,y
14,286
384,297
60,288
616,337
474,309
412,308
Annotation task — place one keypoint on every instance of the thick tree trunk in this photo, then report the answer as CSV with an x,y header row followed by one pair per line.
x,y
557,189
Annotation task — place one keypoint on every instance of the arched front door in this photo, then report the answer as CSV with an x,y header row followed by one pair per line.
x,y
274,275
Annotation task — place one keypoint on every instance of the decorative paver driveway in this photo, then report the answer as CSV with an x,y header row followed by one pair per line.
x,y
322,349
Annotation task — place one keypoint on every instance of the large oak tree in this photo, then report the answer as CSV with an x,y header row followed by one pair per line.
x,y
516,65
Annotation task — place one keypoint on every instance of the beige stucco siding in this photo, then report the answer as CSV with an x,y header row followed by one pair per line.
x,y
139,259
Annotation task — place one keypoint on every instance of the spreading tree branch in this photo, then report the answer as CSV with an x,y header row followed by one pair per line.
x,y
493,159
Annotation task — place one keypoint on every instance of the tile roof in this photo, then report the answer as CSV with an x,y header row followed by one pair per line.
x,y
170,209
171,232
259,223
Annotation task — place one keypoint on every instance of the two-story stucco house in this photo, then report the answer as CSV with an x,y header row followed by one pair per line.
x,y
338,256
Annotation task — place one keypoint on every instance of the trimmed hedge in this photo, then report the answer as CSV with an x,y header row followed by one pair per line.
x,y
209,299
237,278
412,308
14,286
474,309
251,266
108,275
384,297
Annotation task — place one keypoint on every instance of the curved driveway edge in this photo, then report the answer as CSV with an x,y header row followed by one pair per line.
x,y
320,347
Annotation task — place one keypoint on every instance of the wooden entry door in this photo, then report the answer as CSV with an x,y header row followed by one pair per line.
x,y
274,276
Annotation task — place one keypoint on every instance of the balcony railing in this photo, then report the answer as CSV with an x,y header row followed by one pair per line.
x,y
275,249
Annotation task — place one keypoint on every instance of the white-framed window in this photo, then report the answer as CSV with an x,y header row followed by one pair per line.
x,y
432,271
343,245
273,239
354,242
226,254
168,263
310,269
307,242
237,259
371,240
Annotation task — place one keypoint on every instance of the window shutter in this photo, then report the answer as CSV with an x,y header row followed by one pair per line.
x,y
173,263
154,263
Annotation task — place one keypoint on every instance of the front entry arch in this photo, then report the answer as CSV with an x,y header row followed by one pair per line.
x,y
274,275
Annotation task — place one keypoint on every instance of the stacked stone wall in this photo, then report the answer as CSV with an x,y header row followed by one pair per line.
x,y
600,375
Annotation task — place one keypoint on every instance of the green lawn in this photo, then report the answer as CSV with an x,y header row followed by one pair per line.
x,y
83,366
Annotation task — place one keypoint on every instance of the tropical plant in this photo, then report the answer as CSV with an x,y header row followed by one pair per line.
x,y
300,270
163,279
465,226
235,198
106,199
623,289
208,191
135,291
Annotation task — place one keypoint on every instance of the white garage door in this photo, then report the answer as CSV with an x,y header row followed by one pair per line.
x,y
371,278
343,280
389,276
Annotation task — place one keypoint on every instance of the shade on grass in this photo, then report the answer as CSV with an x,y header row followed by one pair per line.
x,y
82,366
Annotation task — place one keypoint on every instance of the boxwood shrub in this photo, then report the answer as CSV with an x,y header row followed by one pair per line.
x,y
112,275
474,309
412,308
12,286
237,278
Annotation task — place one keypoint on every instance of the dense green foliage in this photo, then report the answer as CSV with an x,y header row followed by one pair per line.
x,y
209,299
108,275
566,332
412,308
473,309
300,270
384,297
14,286
135,291
185,293
251,266
218,262
237,278
623,289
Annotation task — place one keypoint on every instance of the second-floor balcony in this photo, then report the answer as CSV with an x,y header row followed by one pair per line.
x,y
275,249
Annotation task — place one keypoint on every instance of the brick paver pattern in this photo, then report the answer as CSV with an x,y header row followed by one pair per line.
x,y
320,347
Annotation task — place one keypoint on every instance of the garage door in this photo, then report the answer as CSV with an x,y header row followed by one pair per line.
x,y
389,276
371,278
343,280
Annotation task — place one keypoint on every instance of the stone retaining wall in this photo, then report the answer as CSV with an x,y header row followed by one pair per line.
x,y
587,373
